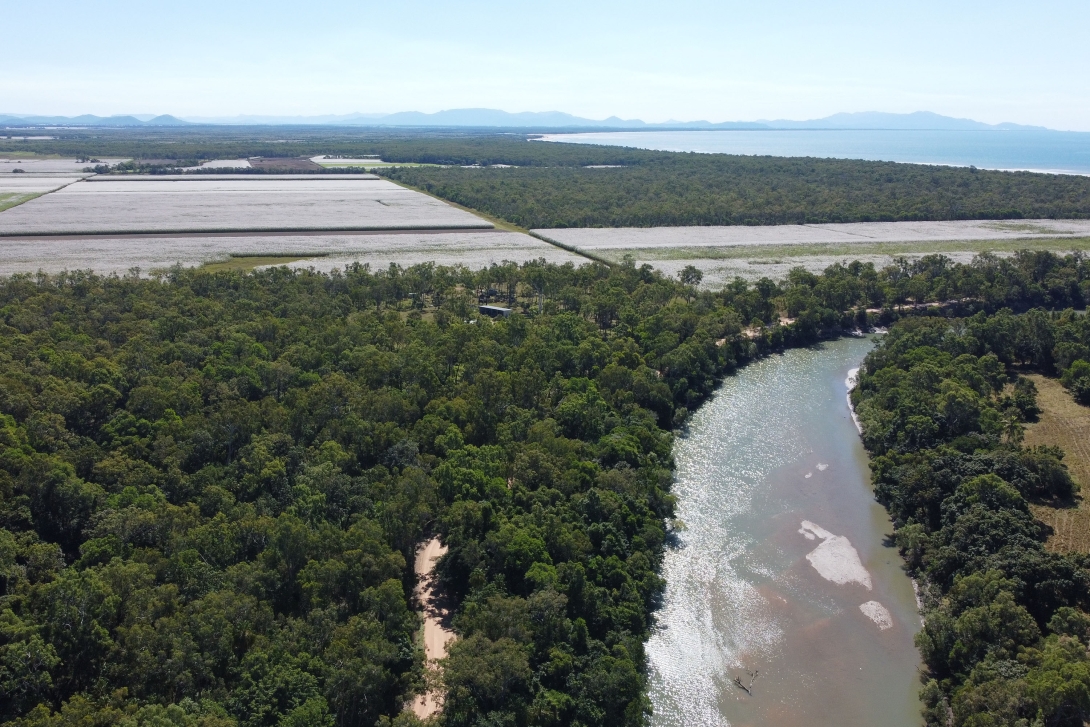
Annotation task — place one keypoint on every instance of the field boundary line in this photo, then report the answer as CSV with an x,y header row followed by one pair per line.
x,y
499,222
571,249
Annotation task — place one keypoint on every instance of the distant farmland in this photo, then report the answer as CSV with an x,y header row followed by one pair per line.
x,y
120,204
112,224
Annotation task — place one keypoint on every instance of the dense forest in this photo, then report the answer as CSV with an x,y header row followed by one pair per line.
x,y
706,189
942,405
552,185
212,484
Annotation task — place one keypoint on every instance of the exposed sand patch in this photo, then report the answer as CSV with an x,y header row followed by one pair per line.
x,y
851,382
437,632
836,559
877,613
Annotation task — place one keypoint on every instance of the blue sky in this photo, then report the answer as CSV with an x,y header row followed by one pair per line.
x,y
992,61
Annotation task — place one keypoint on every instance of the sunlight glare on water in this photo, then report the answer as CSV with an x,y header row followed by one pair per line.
x,y
770,460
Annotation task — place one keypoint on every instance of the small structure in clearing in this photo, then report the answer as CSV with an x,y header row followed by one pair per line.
x,y
494,311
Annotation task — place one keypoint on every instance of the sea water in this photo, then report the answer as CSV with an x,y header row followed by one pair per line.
x,y
1041,151
783,577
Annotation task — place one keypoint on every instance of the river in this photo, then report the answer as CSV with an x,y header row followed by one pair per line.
x,y
783,568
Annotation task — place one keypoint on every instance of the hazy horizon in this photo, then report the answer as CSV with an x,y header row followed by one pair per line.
x,y
992,62
484,117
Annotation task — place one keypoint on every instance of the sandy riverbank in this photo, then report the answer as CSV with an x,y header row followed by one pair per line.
x,y
437,631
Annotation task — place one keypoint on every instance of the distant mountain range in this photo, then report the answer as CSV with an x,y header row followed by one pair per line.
x,y
918,121
90,120
492,118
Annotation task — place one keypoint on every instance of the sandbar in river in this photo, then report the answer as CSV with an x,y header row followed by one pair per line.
x,y
772,471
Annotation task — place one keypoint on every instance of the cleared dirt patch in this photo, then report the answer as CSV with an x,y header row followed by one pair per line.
x,y
1066,424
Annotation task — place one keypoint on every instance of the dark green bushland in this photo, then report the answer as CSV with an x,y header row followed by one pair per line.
x,y
212,485
1007,629
715,189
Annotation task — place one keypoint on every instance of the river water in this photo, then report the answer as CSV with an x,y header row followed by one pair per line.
x,y
784,544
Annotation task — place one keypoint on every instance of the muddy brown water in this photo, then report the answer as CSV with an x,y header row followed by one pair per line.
x,y
775,448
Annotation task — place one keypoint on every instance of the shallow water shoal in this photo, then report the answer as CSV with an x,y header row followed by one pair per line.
x,y
772,471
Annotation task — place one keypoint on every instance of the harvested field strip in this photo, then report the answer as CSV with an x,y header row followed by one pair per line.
x,y
1066,424
12,199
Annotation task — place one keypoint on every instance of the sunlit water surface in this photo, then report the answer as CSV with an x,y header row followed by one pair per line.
x,y
1065,152
775,447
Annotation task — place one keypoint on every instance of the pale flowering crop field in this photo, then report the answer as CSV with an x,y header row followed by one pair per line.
x,y
751,253
231,203
474,249
35,183
844,233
